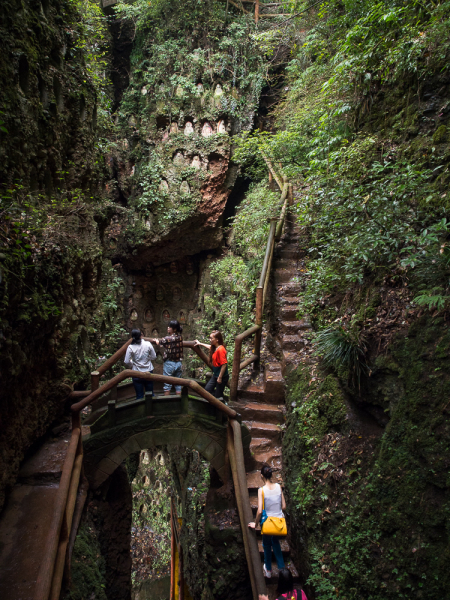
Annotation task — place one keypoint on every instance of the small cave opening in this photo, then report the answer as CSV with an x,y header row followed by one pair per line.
x,y
238,192
24,74
58,91
43,91
82,108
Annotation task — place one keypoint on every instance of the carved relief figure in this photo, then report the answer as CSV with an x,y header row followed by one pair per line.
x,y
134,315
176,294
221,127
190,267
196,163
160,293
166,315
218,91
173,128
173,268
148,315
184,188
182,317
178,159
164,186
207,130
188,128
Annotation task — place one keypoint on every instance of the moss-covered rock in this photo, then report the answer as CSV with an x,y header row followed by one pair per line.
x,y
371,506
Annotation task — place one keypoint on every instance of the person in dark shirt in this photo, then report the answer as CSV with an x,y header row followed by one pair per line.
x,y
172,351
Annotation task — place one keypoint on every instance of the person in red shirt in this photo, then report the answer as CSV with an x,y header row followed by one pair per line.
x,y
218,358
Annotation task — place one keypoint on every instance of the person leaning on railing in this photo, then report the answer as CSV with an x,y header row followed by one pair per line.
x,y
219,363
138,357
172,346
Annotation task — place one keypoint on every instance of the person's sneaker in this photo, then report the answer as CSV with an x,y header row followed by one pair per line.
x,y
267,573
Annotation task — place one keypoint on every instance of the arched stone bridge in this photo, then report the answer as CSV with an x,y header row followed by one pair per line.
x,y
129,427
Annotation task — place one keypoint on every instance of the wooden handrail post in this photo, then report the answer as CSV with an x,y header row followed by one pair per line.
x,y
235,369
256,11
259,321
95,380
291,194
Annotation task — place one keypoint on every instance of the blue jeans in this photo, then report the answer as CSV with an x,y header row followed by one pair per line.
x,y
173,369
139,385
269,542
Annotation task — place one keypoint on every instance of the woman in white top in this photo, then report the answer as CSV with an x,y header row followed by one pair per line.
x,y
139,356
274,504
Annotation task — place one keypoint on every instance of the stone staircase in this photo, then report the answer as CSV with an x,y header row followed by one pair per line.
x,y
261,396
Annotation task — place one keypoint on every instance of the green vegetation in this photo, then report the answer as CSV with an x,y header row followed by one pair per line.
x,y
357,133
372,507
229,290
88,566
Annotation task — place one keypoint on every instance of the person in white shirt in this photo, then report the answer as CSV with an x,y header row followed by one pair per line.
x,y
139,356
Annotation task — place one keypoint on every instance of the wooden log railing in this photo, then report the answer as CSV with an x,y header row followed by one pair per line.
x,y
53,565
275,232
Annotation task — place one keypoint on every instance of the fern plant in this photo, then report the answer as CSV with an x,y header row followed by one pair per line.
x,y
343,350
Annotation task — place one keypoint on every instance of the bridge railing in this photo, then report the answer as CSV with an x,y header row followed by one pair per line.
x,y
120,355
52,569
275,232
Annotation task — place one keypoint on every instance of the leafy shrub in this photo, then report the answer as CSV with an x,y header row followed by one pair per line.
x,y
343,350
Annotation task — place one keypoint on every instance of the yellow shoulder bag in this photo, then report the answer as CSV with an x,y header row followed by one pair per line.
x,y
273,525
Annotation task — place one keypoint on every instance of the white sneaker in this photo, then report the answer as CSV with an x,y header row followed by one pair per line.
x,y
267,573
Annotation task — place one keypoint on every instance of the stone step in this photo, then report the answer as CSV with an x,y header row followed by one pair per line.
x,y
263,430
289,312
27,517
274,384
254,411
254,481
292,342
274,579
252,391
291,327
291,288
285,549
286,263
272,458
288,252
284,275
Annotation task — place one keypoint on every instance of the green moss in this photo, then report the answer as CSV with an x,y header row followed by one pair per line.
x,y
440,135
374,509
88,566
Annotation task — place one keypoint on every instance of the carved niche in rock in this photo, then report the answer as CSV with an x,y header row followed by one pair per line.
x,y
148,315
188,128
178,159
196,162
190,267
138,294
182,317
160,293
207,130
166,315
173,267
176,293
134,315
184,188
155,333
221,127
164,186
149,270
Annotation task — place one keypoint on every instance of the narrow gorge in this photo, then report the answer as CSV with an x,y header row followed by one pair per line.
x,y
277,171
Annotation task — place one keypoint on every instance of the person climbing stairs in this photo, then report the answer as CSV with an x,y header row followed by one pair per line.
x,y
261,395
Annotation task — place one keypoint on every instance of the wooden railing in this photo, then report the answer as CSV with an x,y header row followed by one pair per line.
x,y
275,232
52,568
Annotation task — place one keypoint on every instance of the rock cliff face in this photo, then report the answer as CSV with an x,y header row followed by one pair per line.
x,y
50,238
368,480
